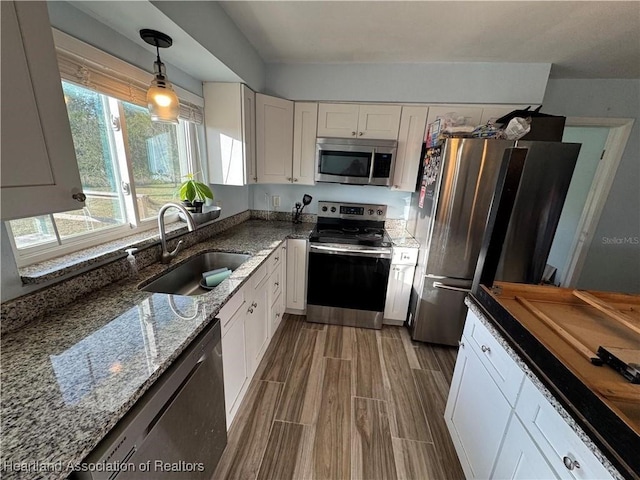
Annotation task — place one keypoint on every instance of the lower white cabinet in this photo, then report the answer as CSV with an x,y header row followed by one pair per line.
x,y
501,424
256,324
477,414
236,374
520,458
296,291
400,283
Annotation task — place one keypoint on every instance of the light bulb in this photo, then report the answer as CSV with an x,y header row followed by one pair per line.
x,y
162,101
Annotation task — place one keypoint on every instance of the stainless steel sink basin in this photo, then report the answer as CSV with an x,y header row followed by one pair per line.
x,y
185,279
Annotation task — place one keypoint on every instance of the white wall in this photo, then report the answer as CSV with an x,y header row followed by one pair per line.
x,y
233,200
610,265
290,194
406,82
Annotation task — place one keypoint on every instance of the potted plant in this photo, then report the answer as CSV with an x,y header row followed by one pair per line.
x,y
193,194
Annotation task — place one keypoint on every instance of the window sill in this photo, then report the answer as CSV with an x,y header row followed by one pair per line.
x,y
82,260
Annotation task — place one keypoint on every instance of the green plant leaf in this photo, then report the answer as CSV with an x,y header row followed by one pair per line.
x,y
203,191
187,191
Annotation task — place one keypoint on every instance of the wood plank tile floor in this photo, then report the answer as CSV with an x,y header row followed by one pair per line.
x,y
332,402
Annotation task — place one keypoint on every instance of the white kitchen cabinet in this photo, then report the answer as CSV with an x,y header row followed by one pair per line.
x,y
296,278
274,139
520,458
229,114
256,323
399,286
305,125
234,358
413,124
352,120
487,389
39,168
477,414
559,444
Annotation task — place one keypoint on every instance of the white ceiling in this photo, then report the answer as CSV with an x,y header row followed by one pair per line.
x,y
582,39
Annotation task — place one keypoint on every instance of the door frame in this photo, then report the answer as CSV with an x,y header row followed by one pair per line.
x,y
619,131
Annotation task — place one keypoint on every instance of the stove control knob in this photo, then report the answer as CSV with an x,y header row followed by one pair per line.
x,y
380,212
333,209
324,209
371,211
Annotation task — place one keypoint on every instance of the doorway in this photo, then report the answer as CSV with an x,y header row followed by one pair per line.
x,y
594,174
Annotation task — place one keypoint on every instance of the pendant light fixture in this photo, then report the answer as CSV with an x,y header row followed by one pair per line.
x,y
162,101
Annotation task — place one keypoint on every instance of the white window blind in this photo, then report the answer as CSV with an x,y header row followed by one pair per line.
x,y
89,67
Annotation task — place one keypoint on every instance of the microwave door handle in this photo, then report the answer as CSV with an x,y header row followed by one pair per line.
x,y
373,161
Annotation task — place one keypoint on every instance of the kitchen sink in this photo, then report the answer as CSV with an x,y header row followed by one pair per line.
x,y
185,279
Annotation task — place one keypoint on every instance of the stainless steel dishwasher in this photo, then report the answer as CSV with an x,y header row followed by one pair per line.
x,y
177,430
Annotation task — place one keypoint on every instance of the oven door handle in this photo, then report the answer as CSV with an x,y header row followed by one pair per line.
x,y
378,253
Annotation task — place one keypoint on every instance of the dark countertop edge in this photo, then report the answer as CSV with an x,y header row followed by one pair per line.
x,y
598,421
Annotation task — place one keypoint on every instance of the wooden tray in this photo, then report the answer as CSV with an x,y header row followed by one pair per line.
x,y
573,324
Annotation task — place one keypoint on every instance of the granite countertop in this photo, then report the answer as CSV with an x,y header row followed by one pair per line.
x,y
401,238
69,377
607,436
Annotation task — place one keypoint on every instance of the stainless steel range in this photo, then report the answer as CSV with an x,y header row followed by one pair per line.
x,y
349,263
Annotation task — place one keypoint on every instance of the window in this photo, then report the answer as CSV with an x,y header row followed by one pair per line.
x,y
129,167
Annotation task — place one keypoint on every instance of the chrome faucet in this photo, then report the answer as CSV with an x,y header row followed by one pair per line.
x,y
168,256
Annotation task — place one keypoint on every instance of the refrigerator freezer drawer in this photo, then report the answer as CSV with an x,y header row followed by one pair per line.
x,y
442,311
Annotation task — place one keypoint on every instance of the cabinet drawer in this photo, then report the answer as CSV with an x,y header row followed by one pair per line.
x,y
275,260
404,256
229,309
555,438
502,368
275,284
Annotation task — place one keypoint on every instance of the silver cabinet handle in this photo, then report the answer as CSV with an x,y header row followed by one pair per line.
x,y
277,258
250,310
80,197
254,304
277,283
443,286
360,133
353,134
485,349
570,463
461,343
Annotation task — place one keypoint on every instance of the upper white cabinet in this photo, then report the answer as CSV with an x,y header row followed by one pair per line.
x,y
274,139
410,138
352,120
305,124
229,113
39,168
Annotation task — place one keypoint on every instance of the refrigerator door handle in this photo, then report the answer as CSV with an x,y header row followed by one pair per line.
x,y
444,286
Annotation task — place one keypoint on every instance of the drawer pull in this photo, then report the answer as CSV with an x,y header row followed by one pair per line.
x,y
251,310
485,349
277,284
570,463
460,344
277,258
254,304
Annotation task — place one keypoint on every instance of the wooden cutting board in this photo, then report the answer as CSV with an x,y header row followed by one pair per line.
x,y
573,324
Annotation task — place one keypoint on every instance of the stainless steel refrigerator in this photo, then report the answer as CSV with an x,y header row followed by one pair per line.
x,y
449,213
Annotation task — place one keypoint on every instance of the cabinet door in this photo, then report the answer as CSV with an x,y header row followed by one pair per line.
x,y
249,133
229,125
520,458
274,139
398,292
236,373
379,121
257,326
338,120
39,168
305,124
296,275
410,139
476,414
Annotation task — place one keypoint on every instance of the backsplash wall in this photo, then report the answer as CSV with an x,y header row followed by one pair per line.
x,y
397,202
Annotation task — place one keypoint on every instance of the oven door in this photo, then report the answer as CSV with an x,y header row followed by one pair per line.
x,y
347,285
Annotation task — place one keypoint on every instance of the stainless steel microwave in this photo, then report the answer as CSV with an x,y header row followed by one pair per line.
x,y
355,161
